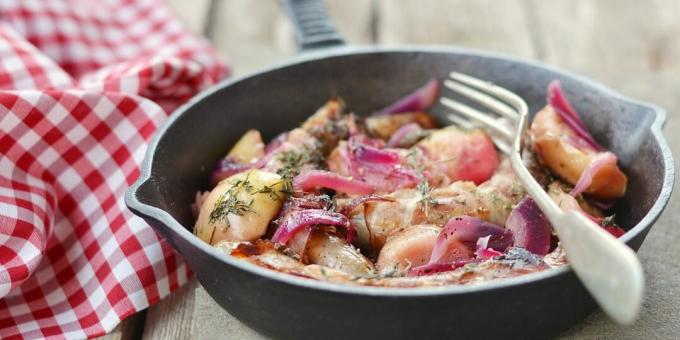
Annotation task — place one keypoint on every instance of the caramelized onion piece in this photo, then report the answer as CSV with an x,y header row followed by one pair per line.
x,y
298,220
483,251
434,268
603,159
226,168
418,100
370,155
315,179
463,230
406,136
558,101
530,228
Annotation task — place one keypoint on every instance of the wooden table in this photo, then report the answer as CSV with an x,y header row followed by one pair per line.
x,y
632,46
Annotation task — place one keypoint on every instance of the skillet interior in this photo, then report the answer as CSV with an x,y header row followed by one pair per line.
x,y
200,133
279,100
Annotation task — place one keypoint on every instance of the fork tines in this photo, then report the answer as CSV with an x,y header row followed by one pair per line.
x,y
502,108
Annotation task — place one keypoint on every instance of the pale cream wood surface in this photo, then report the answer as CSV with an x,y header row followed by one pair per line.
x,y
632,46
610,37
175,313
193,13
501,26
255,33
130,328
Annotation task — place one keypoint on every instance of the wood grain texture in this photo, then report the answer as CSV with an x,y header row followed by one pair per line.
x,y
258,33
629,45
213,322
482,24
609,36
194,13
130,328
173,317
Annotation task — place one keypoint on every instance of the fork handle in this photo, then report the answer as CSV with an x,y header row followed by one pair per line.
x,y
313,27
606,266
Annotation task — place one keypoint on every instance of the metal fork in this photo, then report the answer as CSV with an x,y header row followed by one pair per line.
x,y
608,269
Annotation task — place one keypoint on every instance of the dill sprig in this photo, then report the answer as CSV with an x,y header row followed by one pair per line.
x,y
293,160
229,203
423,186
273,194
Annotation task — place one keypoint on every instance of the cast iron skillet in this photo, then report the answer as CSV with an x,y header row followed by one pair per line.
x,y
197,135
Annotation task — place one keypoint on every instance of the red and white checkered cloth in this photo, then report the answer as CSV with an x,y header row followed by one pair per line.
x,y
83,86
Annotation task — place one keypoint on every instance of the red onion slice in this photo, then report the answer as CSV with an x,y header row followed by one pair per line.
x,y
601,204
298,220
406,136
276,142
487,253
558,101
370,155
315,179
483,251
360,139
530,228
229,166
376,166
434,268
297,245
614,230
602,159
466,230
384,161
226,168
418,100
350,162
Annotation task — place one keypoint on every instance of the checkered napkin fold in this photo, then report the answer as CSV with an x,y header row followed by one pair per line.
x,y
83,86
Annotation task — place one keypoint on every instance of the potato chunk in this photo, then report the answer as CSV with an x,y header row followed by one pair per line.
x,y
551,137
249,147
240,207
385,126
408,248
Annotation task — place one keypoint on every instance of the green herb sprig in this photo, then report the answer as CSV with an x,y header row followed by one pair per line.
x,y
229,203
426,199
293,160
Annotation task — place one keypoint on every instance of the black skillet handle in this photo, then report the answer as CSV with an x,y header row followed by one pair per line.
x,y
313,27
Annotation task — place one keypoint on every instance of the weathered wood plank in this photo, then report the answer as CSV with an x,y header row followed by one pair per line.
x,y
194,13
610,36
494,25
257,33
130,328
173,317
213,322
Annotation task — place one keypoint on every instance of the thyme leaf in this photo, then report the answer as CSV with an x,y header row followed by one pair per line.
x,y
273,194
229,203
293,160
426,199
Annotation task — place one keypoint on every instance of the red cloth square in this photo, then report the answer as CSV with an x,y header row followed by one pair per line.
x,y
80,87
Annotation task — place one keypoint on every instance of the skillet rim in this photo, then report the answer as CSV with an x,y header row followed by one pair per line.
x,y
160,215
